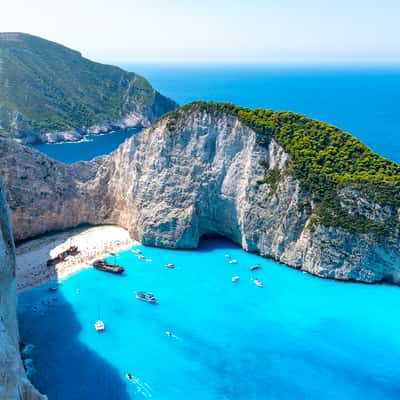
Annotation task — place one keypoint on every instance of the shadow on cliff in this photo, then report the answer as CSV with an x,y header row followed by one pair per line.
x,y
66,368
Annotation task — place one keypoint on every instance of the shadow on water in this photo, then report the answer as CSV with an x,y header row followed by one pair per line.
x,y
85,374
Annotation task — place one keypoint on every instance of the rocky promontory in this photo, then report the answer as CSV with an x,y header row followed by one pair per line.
x,y
50,93
279,184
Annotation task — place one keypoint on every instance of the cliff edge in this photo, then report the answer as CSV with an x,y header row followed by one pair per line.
x,y
13,382
50,93
277,183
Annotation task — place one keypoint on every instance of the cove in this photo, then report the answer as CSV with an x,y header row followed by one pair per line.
x,y
298,337
87,149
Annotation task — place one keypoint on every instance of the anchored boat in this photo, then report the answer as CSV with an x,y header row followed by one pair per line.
x,y
99,326
103,265
147,297
257,282
255,267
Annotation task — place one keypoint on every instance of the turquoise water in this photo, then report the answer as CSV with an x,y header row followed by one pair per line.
x,y
298,337
92,146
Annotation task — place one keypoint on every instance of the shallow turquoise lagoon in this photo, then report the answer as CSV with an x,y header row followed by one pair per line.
x,y
298,337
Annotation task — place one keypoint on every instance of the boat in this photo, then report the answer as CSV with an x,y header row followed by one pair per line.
x,y
233,261
53,289
99,326
257,282
71,251
235,278
169,265
227,255
137,251
255,267
147,297
141,257
105,266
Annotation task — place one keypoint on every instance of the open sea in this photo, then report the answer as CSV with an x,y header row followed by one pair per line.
x,y
362,100
298,337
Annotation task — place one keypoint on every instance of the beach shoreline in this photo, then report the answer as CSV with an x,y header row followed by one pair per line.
x,y
92,242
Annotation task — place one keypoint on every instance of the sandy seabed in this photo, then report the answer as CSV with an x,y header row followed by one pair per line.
x,y
93,243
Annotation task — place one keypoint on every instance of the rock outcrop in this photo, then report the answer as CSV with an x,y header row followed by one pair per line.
x,y
202,173
50,93
14,384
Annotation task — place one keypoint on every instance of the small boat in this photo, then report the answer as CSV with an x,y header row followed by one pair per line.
x,y
235,278
105,266
227,255
233,261
137,251
53,289
99,326
148,260
169,265
255,267
257,282
141,257
169,333
129,377
147,297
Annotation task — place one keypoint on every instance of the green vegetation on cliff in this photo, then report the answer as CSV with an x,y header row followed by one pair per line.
x,y
47,87
325,160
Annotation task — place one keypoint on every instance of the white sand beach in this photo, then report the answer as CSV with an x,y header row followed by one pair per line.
x,y
92,242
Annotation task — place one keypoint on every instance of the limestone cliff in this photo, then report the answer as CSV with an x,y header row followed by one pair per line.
x,y
13,383
202,170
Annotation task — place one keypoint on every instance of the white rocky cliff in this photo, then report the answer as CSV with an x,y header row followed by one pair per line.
x,y
170,185
13,382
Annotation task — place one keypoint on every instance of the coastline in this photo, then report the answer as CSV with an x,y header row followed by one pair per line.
x,y
92,242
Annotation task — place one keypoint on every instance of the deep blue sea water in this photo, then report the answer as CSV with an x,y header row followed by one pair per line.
x,y
362,100
298,337
92,146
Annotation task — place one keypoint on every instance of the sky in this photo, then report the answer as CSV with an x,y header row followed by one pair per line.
x,y
218,31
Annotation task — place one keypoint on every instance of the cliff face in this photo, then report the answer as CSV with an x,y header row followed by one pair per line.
x,y
49,93
13,383
204,173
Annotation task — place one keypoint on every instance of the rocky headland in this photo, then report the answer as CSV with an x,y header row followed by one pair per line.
x,y
287,187
50,93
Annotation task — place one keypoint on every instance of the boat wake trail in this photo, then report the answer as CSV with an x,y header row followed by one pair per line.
x,y
142,388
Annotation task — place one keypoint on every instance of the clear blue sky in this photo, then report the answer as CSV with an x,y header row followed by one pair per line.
x,y
215,31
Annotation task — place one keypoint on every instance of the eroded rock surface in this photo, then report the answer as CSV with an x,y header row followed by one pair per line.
x,y
169,186
13,382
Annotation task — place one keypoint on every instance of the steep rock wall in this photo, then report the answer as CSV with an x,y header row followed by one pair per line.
x,y
13,383
170,185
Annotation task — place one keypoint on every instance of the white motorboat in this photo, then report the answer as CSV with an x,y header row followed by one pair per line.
x,y
99,326
170,265
233,261
257,282
227,255
137,251
235,278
